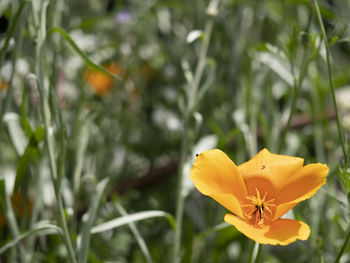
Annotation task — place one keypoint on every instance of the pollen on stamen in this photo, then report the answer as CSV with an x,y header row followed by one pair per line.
x,y
257,206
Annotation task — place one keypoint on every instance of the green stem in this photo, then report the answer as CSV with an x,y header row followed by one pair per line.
x,y
331,81
258,255
201,63
192,99
138,237
296,89
340,129
297,83
251,252
180,197
343,247
45,110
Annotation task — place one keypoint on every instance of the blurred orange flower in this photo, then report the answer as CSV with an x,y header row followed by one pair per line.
x,y
101,82
22,207
259,192
3,85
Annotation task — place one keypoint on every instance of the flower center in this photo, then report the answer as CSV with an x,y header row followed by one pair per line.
x,y
259,209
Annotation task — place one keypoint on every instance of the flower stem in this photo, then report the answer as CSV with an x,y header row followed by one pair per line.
x,y
251,252
331,81
343,248
256,249
258,255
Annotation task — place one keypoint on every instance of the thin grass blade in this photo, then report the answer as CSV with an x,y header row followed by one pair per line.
x,y
46,229
124,220
83,56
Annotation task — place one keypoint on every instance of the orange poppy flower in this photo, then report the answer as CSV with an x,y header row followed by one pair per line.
x,y
259,192
4,85
101,82
22,207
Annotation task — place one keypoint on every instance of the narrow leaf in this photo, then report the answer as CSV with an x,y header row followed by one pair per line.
x,y
121,221
2,195
277,65
84,57
138,237
17,135
89,218
46,229
31,153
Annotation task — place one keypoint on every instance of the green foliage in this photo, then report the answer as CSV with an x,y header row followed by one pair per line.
x,y
101,99
344,175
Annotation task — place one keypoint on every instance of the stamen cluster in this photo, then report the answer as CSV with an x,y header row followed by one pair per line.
x,y
256,209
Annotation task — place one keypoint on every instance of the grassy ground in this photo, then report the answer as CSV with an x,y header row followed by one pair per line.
x,y
104,104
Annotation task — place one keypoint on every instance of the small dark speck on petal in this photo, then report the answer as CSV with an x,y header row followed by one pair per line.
x,y
196,154
263,167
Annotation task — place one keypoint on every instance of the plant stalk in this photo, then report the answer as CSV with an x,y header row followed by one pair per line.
x,y
343,248
258,255
331,81
45,110
192,100
180,198
297,83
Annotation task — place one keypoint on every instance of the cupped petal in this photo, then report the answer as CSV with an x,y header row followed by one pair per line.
x,y
215,175
280,232
283,208
230,202
303,184
270,166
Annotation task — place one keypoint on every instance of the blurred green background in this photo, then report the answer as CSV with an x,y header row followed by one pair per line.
x,y
263,59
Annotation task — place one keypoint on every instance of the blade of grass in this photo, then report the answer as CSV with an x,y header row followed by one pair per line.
x,y
46,113
124,220
337,260
83,56
38,229
297,84
82,142
88,219
137,235
192,100
17,135
30,154
339,125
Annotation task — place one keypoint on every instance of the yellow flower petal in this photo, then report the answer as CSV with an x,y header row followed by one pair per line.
x,y
280,232
215,175
269,169
230,202
303,184
283,208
